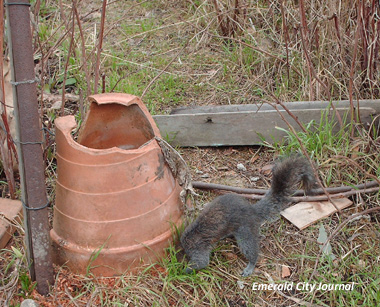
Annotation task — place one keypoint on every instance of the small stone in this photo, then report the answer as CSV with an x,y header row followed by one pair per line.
x,y
254,179
56,105
29,303
205,175
361,264
241,167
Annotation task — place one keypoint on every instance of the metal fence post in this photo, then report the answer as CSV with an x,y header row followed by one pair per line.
x,y
29,144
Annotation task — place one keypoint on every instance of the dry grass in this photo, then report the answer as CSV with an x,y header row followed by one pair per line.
x,y
356,249
218,52
272,50
165,284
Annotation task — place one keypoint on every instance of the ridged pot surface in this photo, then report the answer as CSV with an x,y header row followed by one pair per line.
x,y
114,191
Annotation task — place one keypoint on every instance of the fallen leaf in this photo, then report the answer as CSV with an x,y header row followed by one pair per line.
x,y
322,238
253,159
285,271
266,169
229,256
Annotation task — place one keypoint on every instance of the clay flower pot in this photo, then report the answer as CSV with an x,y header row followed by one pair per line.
x,y
115,193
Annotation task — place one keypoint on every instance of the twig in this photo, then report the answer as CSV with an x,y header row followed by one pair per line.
x,y
57,43
374,44
62,14
7,146
72,299
83,47
286,36
90,301
336,24
303,21
235,16
305,43
359,167
353,61
316,198
81,104
214,186
100,46
334,196
67,63
220,19
335,232
312,73
103,83
278,101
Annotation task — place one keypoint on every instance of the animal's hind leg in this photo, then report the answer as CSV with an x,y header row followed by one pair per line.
x,y
249,246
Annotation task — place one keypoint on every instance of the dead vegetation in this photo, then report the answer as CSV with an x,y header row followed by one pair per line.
x,y
218,52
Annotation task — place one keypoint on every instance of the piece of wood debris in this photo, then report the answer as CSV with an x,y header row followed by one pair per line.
x,y
10,214
305,214
285,271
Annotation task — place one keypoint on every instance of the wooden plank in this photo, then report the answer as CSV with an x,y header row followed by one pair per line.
x,y
293,105
304,214
10,211
237,125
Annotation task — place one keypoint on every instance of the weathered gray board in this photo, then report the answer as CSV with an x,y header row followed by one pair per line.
x,y
241,124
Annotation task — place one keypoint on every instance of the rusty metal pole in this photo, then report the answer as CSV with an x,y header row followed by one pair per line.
x,y
29,144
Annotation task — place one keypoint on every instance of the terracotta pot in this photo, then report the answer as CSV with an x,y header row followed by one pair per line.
x,y
114,190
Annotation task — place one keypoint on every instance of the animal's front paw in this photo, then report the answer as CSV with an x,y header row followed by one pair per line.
x,y
246,273
248,270
189,270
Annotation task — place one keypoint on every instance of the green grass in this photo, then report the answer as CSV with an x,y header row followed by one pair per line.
x,y
321,140
139,26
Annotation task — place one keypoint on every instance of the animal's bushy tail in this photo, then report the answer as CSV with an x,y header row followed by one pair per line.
x,y
290,171
287,173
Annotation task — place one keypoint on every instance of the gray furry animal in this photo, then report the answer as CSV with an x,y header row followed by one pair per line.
x,y
233,215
